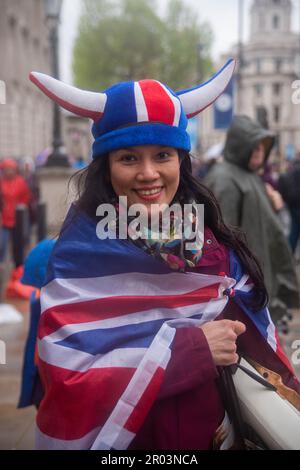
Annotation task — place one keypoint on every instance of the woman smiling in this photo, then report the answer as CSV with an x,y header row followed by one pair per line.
x,y
133,332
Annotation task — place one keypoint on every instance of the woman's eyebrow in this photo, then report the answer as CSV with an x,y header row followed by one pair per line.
x,y
127,149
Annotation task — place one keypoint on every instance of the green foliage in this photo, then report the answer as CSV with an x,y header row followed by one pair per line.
x,y
121,40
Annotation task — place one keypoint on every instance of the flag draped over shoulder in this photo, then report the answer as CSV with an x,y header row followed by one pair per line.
x,y
109,316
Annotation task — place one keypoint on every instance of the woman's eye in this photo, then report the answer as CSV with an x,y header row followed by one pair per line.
x,y
128,158
163,155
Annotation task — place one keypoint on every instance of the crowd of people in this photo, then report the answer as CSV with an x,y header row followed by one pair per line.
x,y
252,198
18,189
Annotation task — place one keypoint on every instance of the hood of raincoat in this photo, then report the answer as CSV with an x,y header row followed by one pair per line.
x,y
242,138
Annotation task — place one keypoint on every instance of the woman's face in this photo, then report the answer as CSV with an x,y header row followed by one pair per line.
x,y
146,174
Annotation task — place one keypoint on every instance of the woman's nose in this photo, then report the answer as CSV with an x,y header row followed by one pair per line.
x,y
147,171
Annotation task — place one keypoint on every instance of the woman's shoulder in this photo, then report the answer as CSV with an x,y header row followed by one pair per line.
x,y
215,255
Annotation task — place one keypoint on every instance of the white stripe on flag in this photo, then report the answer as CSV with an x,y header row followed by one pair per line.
x,y
66,291
74,359
45,442
207,309
80,361
242,282
157,355
141,108
271,337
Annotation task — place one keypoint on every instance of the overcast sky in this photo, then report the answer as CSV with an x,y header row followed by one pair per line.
x,y
221,14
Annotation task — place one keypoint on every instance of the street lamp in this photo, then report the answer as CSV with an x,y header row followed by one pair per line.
x,y
52,10
240,54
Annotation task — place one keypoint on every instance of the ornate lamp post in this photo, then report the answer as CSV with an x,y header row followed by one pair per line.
x,y
52,9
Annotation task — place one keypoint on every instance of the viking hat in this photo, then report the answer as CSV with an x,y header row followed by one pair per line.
x,y
137,113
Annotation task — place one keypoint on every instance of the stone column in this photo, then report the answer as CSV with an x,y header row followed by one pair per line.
x,y
54,192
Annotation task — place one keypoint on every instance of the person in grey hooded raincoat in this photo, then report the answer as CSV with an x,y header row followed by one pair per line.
x,y
244,203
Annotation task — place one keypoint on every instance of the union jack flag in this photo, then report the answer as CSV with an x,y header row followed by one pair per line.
x,y
109,316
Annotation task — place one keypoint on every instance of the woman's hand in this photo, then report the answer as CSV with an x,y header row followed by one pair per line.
x,y
221,336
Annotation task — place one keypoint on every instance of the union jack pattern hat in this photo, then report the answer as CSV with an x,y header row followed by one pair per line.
x,y
133,113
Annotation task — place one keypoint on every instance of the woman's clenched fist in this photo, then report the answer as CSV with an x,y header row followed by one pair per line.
x,y
221,336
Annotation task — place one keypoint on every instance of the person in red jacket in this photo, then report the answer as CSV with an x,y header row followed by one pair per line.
x,y
14,191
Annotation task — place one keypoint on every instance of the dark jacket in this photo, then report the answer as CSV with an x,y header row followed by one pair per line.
x,y
289,186
244,203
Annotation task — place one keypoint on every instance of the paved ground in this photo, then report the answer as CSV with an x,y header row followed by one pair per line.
x,y
17,425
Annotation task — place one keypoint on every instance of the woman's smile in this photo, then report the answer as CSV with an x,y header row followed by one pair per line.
x,y
149,194
147,174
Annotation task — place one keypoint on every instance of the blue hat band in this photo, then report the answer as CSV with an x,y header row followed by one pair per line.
x,y
142,134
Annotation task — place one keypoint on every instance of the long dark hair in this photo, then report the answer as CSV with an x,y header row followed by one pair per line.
x,y
94,188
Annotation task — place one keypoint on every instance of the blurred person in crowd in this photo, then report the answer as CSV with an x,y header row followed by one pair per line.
x,y
79,163
14,190
245,203
289,187
270,180
212,156
35,267
28,171
270,175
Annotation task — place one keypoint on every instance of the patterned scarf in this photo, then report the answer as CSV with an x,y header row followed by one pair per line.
x,y
171,250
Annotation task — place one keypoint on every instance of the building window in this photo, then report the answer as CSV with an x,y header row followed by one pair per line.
x,y
275,22
276,113
258,65
262,116
276,88
258,87
278,64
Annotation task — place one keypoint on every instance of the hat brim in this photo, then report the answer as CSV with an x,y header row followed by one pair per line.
x,y
142,134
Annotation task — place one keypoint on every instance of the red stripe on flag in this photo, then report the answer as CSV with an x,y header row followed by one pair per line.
x,y
75,403
160,106
143,406
111,307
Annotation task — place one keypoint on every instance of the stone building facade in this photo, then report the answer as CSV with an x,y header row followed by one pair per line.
x,y
268,66
77,134
26,118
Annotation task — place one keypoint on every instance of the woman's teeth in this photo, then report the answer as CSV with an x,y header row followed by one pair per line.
x,y
149,192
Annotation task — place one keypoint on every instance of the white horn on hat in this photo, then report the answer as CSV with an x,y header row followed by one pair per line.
x,y
84,103
197,99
